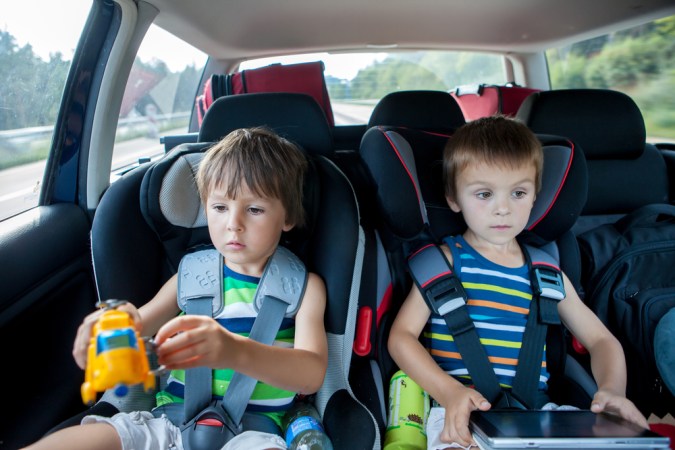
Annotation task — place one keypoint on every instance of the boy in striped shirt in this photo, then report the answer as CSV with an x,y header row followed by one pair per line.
x,y
492,173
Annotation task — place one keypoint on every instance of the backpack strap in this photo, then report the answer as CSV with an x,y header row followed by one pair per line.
x,y
200,291
444,295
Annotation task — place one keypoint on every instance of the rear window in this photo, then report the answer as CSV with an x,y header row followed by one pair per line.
x,y
357,81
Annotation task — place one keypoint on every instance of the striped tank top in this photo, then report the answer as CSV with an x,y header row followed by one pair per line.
x,y
238,316
498,301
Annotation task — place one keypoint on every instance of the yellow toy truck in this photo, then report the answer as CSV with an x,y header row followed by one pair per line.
x,y
117,355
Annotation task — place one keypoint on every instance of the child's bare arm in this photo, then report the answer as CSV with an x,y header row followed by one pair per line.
x,y
608,363
147,319
417,363
191,341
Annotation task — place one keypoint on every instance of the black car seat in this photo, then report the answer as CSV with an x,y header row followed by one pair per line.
x,y
427,117
156,208
411,203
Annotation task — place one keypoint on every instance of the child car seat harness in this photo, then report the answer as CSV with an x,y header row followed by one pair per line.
x,y
444,295
207,423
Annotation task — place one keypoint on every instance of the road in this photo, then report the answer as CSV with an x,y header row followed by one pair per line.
x,y
20,186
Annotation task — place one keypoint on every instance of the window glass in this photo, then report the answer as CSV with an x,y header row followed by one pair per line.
x,y
35,55
159,97
357,81
639,61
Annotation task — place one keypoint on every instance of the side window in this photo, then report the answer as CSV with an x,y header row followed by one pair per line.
x,y
158,99
638,61
35,55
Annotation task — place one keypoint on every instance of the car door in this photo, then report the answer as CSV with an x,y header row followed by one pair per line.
x,y
47,281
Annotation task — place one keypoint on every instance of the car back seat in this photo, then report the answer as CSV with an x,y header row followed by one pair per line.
x,y
157,208
482,100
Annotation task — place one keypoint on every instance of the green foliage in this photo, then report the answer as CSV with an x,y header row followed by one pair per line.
x,y
31,89
639,61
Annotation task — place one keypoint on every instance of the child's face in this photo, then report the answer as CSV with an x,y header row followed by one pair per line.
x,y
245,230
495,201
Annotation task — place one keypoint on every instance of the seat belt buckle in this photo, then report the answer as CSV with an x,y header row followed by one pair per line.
x,y
549,282
445,295
211,428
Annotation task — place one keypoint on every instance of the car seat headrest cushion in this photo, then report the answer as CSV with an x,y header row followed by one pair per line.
x,y
605,124
296,117
424,110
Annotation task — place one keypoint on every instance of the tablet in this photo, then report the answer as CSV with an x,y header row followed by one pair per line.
x,y
581,429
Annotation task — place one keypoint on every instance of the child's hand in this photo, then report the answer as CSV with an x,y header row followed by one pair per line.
x,y
193,341
83,336
458,407
609,402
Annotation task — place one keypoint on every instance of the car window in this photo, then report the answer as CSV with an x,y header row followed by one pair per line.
x,y
35,55
638,61
158,99
357,81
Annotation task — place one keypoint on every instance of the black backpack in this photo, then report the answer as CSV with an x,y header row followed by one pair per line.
x,y
629,279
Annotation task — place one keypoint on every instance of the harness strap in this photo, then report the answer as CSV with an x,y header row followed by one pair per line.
x,y
547,290
279,294
265,328
444,294
199,292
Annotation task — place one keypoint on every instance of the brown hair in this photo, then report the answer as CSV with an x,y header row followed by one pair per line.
x,y
270,165
496,140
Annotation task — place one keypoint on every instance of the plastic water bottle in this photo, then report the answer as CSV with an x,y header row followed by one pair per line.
x,y
304,430
408,411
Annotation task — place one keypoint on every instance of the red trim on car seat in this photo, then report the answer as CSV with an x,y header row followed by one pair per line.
x,y
405,166
555,197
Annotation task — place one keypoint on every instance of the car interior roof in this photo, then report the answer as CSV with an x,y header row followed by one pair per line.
x,y
302,26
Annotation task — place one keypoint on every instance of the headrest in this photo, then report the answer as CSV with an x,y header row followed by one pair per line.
x,y
170,201
606,124
296,117
410,196
424,110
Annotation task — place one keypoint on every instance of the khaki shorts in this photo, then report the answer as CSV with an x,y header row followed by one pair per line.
x,y
140,430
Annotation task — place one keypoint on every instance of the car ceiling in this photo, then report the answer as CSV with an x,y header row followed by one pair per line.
x,y
225,29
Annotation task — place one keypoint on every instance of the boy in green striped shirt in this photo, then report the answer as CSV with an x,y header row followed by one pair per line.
x,y
250,184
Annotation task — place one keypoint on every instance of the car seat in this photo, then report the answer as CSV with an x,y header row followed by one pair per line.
x,y
156,207
384,276
411,202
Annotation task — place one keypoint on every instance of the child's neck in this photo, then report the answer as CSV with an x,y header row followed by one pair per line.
x,y
508,254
